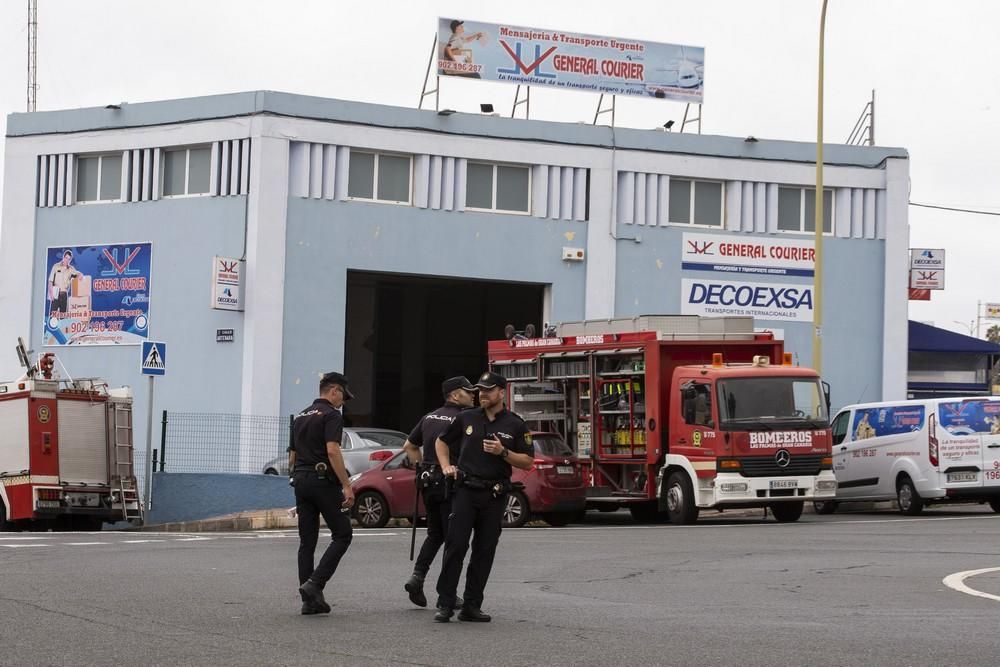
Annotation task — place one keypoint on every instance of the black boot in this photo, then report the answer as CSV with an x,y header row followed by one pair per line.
x,y
312,593
415,587
443,614
474,615
310,608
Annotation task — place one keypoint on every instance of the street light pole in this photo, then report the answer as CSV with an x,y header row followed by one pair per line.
x,y
818,201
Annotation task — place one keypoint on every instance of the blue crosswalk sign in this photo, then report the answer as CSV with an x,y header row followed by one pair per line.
x,y
154,358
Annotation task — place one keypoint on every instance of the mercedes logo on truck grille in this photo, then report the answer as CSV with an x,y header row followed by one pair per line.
x,y
782,458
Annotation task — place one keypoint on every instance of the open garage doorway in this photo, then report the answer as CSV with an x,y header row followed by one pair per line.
x,y
404,335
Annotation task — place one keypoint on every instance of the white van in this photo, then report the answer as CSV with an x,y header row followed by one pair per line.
x,y
917,452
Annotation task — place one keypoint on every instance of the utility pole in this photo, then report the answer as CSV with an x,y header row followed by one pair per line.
x,y
32,54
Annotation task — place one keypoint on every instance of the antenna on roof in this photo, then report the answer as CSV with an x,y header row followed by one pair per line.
x,y
32,54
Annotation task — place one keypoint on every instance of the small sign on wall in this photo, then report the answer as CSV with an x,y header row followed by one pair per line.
x,y
225,335
227,283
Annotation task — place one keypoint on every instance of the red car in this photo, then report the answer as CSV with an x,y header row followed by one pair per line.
x,y
552,489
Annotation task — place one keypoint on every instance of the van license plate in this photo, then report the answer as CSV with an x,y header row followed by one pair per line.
x,y
784,483
962,477
564,470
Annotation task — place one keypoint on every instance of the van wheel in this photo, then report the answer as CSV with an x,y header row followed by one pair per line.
x,y
910,502
995,504
825,506
644,512
787,512
681,508
371,510
515,510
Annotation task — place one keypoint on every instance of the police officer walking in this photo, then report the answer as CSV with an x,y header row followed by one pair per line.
x,y
459,394
491,439
321,488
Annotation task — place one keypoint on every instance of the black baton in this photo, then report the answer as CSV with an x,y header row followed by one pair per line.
x,y
416,509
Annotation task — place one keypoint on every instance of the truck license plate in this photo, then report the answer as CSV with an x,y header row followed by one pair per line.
x,y
83,499
784,483
962,477
564,470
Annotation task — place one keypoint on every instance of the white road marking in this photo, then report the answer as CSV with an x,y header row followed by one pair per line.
x,y
21,546
957,582
25,537
138,541
84,544
193,539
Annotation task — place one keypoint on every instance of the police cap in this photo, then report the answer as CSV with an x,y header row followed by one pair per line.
x,y
488,380
337,379
457,382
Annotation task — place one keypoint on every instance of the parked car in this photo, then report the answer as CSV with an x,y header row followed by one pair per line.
x,y
552,489
363,448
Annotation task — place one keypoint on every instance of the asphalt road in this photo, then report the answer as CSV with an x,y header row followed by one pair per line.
x,y
848,589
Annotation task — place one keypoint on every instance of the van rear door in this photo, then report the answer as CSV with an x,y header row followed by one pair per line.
x,y
991,444
962,450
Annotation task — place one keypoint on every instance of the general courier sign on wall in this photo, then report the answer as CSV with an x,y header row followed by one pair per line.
x,y
742,254
227,283
575,61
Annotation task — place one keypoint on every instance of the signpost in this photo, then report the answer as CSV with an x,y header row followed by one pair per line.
x,y
153,362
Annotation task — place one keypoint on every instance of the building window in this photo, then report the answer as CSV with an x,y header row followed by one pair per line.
x,y
379,177
695,202
99,178
186,171
797,210
497,187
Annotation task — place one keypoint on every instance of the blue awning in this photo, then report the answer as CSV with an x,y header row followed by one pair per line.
x,y
925,338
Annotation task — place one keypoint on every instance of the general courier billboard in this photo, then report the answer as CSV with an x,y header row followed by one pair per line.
x,y
97,294
575,61
725,253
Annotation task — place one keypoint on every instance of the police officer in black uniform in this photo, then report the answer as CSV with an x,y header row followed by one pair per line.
x,y
459,395
321,488
491,439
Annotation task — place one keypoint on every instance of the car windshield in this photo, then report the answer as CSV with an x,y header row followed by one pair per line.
x,y
550,445
389,439
760,403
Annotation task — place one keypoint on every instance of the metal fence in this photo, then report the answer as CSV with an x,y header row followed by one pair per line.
x,y
222,443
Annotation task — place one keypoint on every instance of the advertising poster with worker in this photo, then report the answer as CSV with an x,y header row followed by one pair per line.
x,y
97,294
893,420
538,57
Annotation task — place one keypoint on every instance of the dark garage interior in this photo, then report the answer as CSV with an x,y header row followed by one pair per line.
x,y
406,334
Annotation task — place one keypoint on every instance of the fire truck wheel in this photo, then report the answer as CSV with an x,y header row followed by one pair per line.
x,y
371,510
5,525
681,509
824,506
515,512
787,512
910,502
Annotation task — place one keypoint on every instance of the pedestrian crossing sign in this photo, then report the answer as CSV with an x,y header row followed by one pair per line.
x,y
154,358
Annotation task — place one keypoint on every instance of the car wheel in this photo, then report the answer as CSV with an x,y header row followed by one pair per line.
x,y
787,512
515,511
910,502
681,509
825,506
559,519
270,471
995,504
371,510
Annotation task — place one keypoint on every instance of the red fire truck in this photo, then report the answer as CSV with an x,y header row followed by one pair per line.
x,y
672,414
65,451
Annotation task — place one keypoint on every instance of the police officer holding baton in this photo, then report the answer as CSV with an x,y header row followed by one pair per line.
x,y
491,439
321,488
459,394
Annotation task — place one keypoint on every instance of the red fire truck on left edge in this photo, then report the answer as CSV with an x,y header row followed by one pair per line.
x,y
65,451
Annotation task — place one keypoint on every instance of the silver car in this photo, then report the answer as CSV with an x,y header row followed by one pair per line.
x,y
363,448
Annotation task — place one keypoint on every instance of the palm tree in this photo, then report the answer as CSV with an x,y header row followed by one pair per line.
x,y
993,334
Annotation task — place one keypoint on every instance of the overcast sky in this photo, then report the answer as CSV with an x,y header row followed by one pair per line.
x,y
933,65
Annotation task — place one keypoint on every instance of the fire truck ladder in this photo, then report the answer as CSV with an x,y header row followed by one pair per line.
x,y
120,415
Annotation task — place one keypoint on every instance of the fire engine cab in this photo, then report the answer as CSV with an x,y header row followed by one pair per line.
x,y
65,451
670,414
